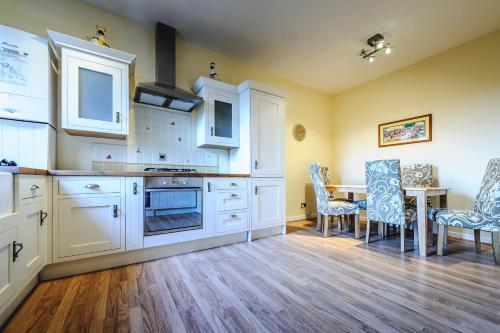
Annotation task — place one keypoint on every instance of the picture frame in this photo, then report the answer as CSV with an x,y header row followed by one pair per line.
x,y
405,131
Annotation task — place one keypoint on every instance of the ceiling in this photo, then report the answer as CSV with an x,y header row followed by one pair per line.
x,y
317,42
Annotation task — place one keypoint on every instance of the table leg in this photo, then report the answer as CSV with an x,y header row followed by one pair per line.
x,y
443,203
422,223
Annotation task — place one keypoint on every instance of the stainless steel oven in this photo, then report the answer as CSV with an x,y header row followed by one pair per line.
x,y
172,204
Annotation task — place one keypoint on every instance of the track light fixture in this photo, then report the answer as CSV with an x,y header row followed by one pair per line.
x,y
376,43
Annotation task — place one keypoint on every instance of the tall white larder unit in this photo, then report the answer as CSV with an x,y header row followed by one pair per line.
x,y
262,151
28,99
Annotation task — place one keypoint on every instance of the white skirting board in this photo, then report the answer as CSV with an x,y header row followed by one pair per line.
x,y
12,306
485,237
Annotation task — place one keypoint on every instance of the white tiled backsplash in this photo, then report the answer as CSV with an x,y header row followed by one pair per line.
x,y
161,138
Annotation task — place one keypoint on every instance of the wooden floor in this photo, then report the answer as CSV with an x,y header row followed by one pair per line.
x,y
295,283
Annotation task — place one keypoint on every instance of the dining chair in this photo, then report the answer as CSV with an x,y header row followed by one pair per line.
x,y
484,217
326,207
417,175
325,175
385,200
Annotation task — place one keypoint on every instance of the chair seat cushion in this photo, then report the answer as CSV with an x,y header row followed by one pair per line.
x,y
410,215
464,219
340,208
362,204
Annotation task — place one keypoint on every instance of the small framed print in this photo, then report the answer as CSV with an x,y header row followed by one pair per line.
x,y
405,131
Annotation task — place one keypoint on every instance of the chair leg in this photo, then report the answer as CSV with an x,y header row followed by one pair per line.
x,y
381,229
415,233
339,222
495,243
367,231
430,236
357,230
402,231
477,240
441,237
318,222
325,225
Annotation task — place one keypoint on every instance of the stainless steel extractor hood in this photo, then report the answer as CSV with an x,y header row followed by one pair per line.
x,y
163,92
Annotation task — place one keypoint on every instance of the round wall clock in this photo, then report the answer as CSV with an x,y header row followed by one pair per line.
x,y
299,132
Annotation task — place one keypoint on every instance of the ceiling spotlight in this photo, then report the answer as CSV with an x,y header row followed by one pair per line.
x,y
377,43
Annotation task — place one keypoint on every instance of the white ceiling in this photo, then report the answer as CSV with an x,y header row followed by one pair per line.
x,y
317,42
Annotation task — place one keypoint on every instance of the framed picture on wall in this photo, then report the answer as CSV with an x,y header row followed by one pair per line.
x,y
405,131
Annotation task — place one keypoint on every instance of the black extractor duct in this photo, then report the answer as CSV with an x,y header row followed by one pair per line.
x,y
163,92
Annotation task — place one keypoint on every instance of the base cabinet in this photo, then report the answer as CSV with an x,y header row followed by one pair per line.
x,y
135,213
268,202
86,224
8,239
31,234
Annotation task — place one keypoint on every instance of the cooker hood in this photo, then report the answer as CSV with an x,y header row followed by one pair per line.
x,y
163,92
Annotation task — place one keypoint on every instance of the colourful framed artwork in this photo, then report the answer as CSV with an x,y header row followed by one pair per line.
x,y
405,131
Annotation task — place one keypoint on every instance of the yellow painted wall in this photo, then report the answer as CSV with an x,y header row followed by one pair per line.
x,y
305,105
460,87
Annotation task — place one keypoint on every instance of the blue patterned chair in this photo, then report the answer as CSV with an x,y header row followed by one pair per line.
x,y
328,207
484,217
385,200
331,195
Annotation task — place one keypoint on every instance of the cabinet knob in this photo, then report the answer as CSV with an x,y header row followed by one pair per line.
x,y
256,163
234,195
209,184
212,131
34,187
234,184
234,216
115,210
256,190
134,186
118,117
92,186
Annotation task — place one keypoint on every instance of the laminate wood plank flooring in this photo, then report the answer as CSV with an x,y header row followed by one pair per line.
x,y
300,282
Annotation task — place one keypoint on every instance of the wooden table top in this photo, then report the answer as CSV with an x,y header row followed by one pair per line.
x,y
362,188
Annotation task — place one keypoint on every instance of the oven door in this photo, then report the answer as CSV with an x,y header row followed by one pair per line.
x,y
172,210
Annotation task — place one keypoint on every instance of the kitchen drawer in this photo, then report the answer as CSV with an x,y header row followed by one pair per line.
x,y
30,187
231,200
232,183
231,222
89,185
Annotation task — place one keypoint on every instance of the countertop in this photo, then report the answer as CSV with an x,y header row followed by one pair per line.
x,y
32,171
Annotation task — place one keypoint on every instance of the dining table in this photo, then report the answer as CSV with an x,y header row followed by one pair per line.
x,y
420,193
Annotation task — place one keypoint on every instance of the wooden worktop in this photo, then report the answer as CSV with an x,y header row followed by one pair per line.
x,y
32,171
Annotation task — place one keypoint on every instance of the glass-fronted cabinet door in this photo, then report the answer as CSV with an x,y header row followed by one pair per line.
x,y
223,119
95,98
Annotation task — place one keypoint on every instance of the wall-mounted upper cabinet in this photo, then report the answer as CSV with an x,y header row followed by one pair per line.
x,y
94,87
217,120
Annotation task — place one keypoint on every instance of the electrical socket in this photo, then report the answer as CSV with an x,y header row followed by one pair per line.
x,y
303,205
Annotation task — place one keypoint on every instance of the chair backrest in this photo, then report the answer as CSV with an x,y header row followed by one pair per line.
x,y
488,199
384,192
417,175
325,175
319,186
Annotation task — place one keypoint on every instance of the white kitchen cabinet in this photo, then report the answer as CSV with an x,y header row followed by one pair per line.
x,y
268,140
94,87
134,219
268,202
88,224
8,240
32,235
209,213
217,120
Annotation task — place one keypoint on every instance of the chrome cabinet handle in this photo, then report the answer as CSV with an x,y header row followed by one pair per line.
x,y
234,216
134,186
256,190
234,195
118,117
209,184
115,210
233,184
256,163
15,253
35,187
212,131
92,186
